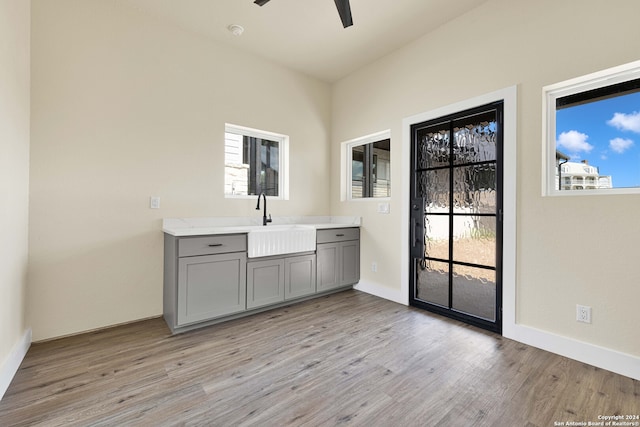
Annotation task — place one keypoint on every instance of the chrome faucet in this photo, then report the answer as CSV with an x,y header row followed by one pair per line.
x,y
265,220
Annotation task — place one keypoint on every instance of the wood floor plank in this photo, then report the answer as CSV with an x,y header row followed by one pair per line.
x,y
344,359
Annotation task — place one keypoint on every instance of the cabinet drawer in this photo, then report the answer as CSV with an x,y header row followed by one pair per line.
x,y
210,245
337,235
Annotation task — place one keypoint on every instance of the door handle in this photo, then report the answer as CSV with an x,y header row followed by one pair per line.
x,y
417,228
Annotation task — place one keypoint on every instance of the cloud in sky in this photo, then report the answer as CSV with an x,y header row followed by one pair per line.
x,y
620,145
624,121
574,142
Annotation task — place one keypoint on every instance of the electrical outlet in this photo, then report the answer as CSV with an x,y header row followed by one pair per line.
x,y
583,313
154,202
374,267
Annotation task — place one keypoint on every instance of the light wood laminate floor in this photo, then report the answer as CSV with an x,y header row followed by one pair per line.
x,y
344,359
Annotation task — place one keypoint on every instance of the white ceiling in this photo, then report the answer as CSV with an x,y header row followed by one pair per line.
x,y
307,35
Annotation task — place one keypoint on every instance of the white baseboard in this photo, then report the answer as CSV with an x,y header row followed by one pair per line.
x,y
12,362
380,291
591,354
594,355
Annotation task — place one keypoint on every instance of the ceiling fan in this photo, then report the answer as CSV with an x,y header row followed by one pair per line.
x,y
344,9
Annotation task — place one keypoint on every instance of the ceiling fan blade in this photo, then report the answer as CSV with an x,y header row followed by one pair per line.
x,y
344,9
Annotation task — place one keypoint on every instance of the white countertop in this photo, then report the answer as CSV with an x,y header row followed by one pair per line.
x,y
230,225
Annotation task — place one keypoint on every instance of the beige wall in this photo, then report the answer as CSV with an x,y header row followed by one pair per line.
x,y
125,107
14,173
569,250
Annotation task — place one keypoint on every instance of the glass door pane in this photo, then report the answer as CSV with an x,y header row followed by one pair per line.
x,y
432,282
474,291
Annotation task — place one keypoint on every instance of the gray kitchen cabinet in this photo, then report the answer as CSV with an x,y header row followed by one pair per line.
x,y
204,278
327,266
338,258
209,279
349,267
273,280
265,282
299,276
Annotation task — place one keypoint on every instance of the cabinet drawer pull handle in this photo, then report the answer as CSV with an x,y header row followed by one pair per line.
x,y
215,245
339,235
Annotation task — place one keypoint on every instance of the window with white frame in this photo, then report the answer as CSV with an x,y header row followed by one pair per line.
x,y
368,166
592,133
255,161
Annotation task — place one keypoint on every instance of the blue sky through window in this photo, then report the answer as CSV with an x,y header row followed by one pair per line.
x,y
607,134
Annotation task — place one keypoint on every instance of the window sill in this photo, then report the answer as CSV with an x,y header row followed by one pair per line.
x,y
251,197
369,199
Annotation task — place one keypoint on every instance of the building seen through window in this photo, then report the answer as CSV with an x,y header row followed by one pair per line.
x,y
579,175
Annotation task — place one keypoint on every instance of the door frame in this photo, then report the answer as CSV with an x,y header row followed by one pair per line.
x,y
509,97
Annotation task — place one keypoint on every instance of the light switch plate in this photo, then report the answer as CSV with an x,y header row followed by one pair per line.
x,y
383,208
154,202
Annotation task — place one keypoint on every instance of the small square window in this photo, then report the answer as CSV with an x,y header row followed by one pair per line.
x,y
255,162
368,167
592,133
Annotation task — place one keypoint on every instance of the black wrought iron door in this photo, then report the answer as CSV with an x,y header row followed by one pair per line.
x,y
456,216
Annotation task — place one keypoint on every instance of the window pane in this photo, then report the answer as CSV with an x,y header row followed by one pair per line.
x,y
380,170
433,186
475,188
436,236
596,143
474,239
433,147
475,138
236,165
432,282
474,291
357,171
269,165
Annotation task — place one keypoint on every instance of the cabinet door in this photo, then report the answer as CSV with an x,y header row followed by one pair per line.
x,y
328,259
338,264
350,262
210,286
265,282
300,276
